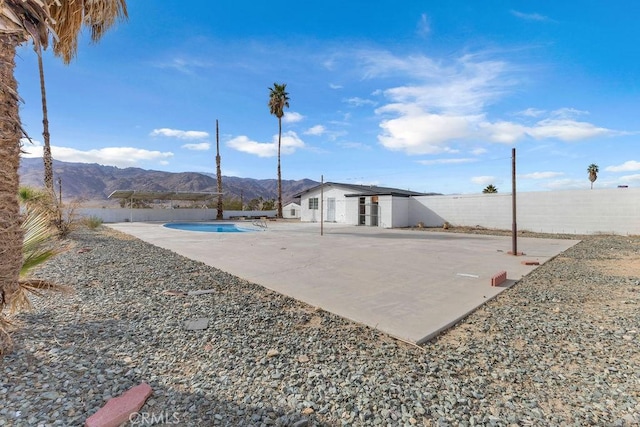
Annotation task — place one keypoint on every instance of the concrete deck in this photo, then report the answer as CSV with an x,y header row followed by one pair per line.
x,y
409,284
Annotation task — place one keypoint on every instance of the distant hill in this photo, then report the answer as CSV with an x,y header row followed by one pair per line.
x,y
91,181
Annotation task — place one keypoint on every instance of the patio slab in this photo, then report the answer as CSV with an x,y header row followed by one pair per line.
x,y
409,284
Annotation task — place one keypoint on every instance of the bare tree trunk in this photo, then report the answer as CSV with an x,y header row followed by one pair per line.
x,y
10,132
279,215
218,175
46,154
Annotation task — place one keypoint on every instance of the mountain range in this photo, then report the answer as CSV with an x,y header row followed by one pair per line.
x,y
94,182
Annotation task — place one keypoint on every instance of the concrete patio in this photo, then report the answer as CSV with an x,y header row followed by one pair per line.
x,y
409,284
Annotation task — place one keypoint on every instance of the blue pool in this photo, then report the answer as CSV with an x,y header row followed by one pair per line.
x,y
208,227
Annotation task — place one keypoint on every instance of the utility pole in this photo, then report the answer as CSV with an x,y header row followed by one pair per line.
x,y
60,201
514,226
321,205
219,174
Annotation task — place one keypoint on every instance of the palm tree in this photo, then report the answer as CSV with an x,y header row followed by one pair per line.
x,y
99,16
489,189
593,173
20,21
219,214
278,99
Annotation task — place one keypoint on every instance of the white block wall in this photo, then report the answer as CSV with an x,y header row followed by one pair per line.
x,y
615,210
110,215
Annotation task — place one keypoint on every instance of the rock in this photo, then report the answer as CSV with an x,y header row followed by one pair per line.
x,y
272,352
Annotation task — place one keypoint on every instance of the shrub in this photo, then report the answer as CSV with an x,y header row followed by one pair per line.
x,y
93,222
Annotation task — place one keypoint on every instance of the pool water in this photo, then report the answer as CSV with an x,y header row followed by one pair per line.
x,y
207,227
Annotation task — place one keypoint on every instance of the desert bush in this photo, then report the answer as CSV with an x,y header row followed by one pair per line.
x,y
92,222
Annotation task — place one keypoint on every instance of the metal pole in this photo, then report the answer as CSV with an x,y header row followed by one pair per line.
x,y
60,203
514,236
322,205
60,190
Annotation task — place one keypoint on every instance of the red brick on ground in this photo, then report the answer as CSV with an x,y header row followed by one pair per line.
x,y
498,278
118,410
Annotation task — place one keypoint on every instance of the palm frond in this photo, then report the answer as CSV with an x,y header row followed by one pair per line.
x,y
37,235
70,16
37,287
5,339
29,18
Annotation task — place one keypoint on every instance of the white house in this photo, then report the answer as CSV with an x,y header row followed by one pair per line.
x,y
368,205
291,211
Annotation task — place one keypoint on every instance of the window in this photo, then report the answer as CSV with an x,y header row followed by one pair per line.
x,y
313,203
293,212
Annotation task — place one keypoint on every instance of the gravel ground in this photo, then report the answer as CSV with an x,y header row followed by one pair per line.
x,y
559,348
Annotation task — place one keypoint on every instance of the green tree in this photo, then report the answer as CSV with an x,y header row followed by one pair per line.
x,y
268,205
20,21
278,100
490,189
593,170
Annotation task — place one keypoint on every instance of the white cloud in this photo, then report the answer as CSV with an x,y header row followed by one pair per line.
x,y
447,161
628,166
484,180
630,178
568,113
111,156
504,132
566,130
335,86
359,102
529,16
448,101
531,112
562,129
354,145
316,130
290,142
423,28
186,66
540,175
418,132
202,146
479,151
568,184
292,117
180,134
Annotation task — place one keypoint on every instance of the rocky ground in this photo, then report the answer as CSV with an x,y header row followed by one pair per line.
x,y
559,348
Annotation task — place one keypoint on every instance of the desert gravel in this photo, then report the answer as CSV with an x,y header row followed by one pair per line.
x,y
559,348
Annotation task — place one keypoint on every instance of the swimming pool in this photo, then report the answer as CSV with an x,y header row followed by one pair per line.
x,y
207,227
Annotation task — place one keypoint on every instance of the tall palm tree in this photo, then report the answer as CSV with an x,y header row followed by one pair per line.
x,y
220,214
69,16
593,173
278,100
20,21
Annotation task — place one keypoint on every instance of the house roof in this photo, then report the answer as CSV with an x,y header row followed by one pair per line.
x,y
365,190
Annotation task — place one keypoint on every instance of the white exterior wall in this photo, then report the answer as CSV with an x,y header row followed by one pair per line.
x,y
351,210
385,211
615,210
400,213
110,215
291,211
312,215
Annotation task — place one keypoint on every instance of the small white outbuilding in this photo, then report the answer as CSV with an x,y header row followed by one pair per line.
x,y
291,211
367,205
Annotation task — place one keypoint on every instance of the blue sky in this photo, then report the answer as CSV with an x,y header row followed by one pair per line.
x,y
421,95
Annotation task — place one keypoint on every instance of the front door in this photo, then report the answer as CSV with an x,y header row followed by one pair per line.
x,y
331,209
